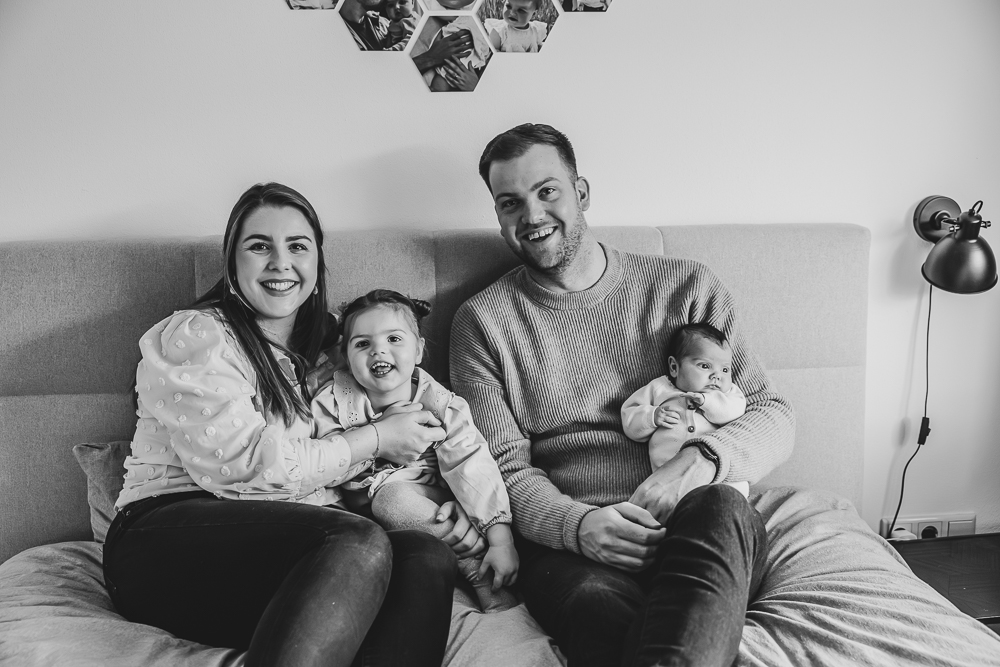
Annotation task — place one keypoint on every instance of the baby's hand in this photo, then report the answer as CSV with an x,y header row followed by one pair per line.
x,y
504,561
666,418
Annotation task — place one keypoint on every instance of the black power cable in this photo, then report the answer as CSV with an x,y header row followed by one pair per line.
x,y
925,423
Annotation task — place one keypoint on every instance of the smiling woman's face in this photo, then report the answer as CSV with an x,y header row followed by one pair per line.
x,y
276,263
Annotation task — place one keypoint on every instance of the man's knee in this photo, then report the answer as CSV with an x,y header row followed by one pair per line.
x,y
720,500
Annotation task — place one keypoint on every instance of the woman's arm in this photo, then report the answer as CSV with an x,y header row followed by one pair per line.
x,y
194,382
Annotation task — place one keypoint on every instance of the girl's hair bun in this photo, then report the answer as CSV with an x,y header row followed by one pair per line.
x,y
421,308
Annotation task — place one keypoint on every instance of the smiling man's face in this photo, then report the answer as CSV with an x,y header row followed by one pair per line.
x,y
540,207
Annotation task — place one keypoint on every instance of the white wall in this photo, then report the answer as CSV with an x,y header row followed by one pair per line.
x,y
135,117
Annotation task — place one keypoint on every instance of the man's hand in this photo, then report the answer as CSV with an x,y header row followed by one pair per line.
x,y
662,490
463,538
622,536
664,417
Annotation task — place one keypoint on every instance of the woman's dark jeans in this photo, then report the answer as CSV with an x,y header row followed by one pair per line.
x,y
688,608
294,585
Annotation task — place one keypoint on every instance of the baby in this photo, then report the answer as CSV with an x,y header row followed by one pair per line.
x,y
402,22
382,345
517,32
695,397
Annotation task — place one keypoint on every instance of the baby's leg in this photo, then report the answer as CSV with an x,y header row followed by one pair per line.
x,y
406,505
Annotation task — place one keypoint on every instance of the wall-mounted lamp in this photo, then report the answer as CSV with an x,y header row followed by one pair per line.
x,y
960,260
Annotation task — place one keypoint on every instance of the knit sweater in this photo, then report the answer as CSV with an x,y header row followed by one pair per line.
x,y
546,374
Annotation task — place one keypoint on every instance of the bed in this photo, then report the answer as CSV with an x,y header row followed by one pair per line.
x,y
834,592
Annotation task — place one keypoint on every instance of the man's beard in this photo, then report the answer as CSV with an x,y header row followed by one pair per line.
x,y
564,255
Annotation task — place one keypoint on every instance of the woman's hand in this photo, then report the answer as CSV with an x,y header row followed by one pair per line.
x,y
459,76
406,432
462,537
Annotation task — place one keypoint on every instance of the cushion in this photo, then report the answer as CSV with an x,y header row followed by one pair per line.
x,y
104,465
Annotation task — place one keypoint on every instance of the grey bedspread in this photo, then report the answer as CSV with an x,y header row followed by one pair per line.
x,y
834,594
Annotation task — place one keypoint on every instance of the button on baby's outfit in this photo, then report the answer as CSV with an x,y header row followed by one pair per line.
x,y
690,429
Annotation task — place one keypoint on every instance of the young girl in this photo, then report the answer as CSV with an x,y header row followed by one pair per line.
x,y
516,32
382,345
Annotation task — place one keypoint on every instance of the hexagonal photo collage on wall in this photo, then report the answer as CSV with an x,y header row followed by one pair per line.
x,y
451,41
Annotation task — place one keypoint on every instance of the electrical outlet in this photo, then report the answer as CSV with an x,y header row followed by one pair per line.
x,y
930,529
946,524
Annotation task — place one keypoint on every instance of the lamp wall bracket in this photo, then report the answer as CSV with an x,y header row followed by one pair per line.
x,y
935,216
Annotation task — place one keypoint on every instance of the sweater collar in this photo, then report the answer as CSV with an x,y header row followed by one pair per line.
x,y
591,296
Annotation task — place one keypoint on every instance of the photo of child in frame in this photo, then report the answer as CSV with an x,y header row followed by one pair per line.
x,y
518,26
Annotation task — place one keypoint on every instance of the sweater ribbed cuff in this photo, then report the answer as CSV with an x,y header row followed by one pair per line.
x,y
571,526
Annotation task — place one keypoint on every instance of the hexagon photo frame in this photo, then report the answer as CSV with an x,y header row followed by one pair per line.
x,y
451,42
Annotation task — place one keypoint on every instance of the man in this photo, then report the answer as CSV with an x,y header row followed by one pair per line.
x,y
619,565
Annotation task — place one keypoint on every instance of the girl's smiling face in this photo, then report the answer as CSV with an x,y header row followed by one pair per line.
x,y
382,350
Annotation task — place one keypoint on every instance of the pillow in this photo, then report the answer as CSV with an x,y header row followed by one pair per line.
x,y
104,465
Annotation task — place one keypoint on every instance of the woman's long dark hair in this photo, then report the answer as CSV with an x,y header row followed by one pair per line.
x,y
312,323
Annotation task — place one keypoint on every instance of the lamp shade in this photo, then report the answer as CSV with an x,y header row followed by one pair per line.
x,y
963,266
960,261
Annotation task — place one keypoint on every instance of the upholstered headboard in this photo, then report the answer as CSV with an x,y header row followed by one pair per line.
x,y
73,312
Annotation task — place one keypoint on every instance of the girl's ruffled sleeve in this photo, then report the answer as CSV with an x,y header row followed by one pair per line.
x,y
469,470
193,381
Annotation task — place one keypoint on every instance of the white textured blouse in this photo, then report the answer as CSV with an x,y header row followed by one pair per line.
x,y
201,427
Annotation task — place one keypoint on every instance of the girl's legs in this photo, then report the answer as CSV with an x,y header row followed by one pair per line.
x,y
407,505
293,584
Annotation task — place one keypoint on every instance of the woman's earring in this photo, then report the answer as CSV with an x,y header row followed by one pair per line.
x,y
232,291
316,290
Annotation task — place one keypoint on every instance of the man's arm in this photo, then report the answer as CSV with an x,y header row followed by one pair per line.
x,y
542,513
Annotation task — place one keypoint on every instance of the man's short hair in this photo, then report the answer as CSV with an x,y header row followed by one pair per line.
x,y
516,141
680,341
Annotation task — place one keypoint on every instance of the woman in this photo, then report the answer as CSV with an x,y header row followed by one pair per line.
x,y
222,421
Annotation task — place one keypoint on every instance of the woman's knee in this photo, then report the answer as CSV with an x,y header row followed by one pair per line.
x,y
421,551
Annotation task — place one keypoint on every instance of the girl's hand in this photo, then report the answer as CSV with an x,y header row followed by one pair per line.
x,y
501,557
666,418
463,538
504,561
407,433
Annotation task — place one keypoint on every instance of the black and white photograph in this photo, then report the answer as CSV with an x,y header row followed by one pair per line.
x,y
672,343
381,25
586,5
518,26
450,6
451,52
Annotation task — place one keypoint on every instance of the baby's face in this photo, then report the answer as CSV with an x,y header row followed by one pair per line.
x,y
398,9
705,367
519,13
